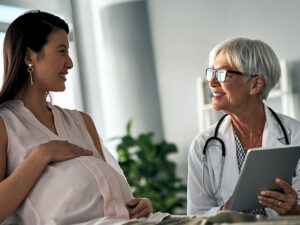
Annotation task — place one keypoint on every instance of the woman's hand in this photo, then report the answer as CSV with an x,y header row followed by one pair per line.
x,y
140,207
55,151
283,203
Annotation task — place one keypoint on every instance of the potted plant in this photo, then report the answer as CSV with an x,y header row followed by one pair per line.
x,y
149,171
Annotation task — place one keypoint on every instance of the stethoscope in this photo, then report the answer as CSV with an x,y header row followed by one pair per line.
x,y
212,194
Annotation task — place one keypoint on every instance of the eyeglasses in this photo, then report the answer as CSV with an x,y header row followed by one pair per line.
x,y
222,73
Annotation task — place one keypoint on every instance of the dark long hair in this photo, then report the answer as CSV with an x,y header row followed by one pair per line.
x,y
30,30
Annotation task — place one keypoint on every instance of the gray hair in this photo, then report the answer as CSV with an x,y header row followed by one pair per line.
x,y
252,57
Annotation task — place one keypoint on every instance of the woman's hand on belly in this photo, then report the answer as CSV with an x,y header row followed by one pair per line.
x,y
55,151
140,207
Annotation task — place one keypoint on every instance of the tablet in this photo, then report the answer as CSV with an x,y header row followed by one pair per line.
x,y
260,168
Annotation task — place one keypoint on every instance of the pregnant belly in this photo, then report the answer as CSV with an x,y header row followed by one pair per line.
x,y
79,189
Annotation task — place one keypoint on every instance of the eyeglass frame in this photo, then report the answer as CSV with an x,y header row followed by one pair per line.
x,y
215,71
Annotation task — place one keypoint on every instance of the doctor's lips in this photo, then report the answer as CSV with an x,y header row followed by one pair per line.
x,y
217,94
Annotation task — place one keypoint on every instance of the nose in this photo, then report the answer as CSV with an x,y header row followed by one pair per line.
x,y
213,81
69,62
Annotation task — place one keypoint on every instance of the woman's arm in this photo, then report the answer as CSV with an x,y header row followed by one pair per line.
x,y
15,187
93,132
140,207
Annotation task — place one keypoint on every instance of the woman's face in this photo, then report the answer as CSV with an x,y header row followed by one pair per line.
x,y
51,65
231,94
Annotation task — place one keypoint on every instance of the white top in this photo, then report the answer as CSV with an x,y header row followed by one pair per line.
x,y
75,191
198,202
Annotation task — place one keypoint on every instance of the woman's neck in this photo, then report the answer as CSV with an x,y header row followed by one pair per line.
x,y
34,100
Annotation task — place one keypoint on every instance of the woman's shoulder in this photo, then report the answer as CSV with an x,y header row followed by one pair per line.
x,y
9,105
67,112
78,116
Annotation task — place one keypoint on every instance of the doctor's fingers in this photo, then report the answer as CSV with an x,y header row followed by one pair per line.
x,y
272,205
289,197
226,205
282,208
283,204
287,187
289,194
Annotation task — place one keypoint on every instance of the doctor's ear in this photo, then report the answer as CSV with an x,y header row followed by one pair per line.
x,y
257,84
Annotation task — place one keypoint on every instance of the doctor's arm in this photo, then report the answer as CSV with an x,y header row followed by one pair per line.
x,y
198,203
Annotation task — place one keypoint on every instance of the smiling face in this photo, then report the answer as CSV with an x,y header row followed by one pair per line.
x,y
51,65
231,94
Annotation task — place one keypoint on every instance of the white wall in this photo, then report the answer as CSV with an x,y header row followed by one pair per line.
x,y
127,78
183,32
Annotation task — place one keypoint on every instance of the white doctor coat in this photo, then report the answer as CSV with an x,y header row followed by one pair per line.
x,y
198,203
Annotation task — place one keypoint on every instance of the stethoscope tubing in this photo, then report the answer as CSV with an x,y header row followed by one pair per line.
x,y
223,148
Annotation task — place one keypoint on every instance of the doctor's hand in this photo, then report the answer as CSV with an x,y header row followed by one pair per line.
x,y
283,203
226,205
140,207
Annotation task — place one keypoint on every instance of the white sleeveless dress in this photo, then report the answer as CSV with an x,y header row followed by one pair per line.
x,y
84,190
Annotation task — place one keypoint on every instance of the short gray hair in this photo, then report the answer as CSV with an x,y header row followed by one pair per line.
x,y
253,57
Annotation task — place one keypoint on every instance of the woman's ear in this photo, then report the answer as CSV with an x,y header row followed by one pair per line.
x,y
28,56
257,84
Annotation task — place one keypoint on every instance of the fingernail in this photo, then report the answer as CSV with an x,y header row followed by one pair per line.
x,y
263,193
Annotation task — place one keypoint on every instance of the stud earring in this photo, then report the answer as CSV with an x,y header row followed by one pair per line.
x,y
30,70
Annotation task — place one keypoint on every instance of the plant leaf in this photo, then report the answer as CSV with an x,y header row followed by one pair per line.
x,y
128,127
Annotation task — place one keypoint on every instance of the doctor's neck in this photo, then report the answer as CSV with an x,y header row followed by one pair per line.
x,y
249,122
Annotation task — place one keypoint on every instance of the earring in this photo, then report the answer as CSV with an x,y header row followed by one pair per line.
x,y
30,70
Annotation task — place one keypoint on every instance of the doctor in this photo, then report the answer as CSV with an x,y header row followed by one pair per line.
x,y
241,74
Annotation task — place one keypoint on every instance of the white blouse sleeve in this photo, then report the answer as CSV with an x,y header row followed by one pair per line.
x,y
110,159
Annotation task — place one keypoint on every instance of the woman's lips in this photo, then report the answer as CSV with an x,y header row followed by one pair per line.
x,y
63,76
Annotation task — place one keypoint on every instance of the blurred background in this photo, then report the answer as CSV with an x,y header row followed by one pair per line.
x,y
145,60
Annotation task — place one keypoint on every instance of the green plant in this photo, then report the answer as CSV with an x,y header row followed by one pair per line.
x,y
149,171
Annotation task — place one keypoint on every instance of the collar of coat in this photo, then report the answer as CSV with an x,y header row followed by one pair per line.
x,y
272,135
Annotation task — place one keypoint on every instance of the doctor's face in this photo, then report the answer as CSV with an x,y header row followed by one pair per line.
x,y
232,93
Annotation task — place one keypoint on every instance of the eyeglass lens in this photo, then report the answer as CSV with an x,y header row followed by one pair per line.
x,y
220,74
